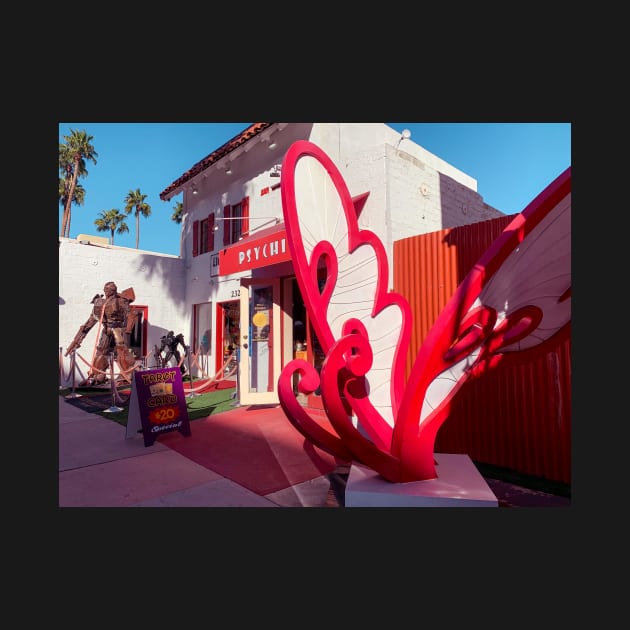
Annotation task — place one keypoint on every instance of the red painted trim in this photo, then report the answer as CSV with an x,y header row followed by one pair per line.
x,y
359,201
195,243
211,232
144,310
245,215
227,213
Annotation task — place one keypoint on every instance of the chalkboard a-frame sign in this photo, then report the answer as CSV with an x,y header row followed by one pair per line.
x,y
157,404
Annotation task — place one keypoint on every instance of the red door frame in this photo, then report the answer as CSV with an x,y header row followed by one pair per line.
x,y
145,325
219,336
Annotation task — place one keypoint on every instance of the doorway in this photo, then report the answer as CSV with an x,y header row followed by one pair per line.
x,y
229,328
260,341
303,341
136,339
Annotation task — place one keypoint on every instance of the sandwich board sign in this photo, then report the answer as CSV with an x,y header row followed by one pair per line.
x,y
157,404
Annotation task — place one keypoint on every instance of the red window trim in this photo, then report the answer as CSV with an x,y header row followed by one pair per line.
x,y
227,213
211,232
195,243
245,215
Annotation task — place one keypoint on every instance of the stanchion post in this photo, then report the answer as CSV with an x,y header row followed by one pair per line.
x,y
237,402
112,387
73,394
191,394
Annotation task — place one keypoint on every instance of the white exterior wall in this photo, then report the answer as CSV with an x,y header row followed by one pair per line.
x,y
411,191
158,281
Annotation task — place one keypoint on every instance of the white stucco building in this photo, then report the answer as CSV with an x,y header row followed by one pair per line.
x,y
233,262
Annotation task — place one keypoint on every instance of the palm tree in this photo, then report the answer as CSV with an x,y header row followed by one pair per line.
x,y
66,170
112,221
79,192
136,200
72,157
178,211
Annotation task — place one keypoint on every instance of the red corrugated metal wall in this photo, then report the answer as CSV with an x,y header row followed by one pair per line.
x,y
516,417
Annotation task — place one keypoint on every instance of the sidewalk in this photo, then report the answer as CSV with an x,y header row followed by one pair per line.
x,y
100,467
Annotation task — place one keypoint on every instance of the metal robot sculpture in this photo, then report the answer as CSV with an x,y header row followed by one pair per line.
x,y
170,342
113,313
515,302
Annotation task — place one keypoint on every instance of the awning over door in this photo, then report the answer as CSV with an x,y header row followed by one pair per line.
x,y
265,247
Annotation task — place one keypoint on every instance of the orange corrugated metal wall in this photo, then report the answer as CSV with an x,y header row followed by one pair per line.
x,y
515,417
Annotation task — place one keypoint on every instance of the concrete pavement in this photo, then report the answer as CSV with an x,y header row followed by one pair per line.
x,y
100,467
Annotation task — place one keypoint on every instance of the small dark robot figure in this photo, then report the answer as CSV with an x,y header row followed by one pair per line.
x,y
169,343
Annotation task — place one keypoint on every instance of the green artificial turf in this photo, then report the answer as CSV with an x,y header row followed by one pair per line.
x,y
199,406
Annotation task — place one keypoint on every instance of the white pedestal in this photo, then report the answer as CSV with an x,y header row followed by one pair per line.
x,y
459,484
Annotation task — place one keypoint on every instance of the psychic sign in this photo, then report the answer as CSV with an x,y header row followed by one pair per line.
x,y
267,247
157,404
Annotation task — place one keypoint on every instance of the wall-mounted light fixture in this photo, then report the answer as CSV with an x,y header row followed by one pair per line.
x,y
405,135
194,189
275,171
228,170
266,138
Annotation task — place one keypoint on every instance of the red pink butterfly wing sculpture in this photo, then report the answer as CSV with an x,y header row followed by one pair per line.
x,y
514,302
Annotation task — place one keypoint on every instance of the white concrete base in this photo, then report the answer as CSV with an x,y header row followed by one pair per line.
x,y
459,484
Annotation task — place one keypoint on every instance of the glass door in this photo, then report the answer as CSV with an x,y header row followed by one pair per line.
x,y
260,343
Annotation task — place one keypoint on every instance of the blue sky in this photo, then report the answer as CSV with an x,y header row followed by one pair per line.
x,y
512,163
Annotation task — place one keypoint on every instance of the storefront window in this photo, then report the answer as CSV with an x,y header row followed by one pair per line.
x,y
260,316
135,339
203,329
231,326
